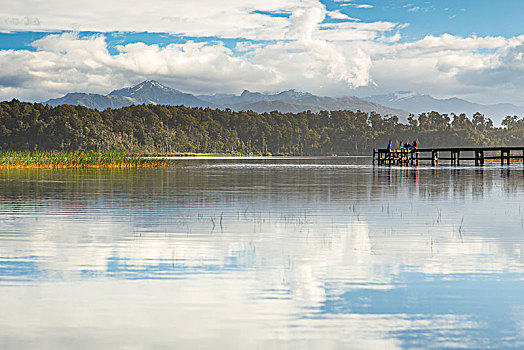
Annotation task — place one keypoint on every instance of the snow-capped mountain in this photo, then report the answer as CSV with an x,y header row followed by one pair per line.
x,y
402,95
153,92
148,92
293,101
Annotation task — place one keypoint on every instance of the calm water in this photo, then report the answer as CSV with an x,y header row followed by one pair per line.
x,y
320,253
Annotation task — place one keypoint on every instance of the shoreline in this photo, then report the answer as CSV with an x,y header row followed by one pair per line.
x,y
116,159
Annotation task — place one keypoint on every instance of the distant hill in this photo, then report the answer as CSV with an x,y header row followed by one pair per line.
x,y
148,92
418,103
400,103
95,101
316,104
153,92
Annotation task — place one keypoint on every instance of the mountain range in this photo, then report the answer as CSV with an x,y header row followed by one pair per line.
x,y
148,92
400,103
153,92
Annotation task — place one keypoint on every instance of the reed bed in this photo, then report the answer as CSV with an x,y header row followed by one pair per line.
x,y
57,159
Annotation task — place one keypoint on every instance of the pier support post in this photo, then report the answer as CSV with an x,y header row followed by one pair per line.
x,y
455,157
434,158
504,156
479,157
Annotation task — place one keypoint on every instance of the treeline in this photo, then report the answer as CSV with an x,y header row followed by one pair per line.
x,y
170,129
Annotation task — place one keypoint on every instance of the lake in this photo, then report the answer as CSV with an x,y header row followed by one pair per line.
x,y
242,253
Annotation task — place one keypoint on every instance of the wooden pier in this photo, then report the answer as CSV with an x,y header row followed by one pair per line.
x,y
454,155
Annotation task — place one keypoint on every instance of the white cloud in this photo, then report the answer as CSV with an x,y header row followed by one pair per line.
x,y
358,6
354,31
66,63
321,58
307,56
222,18
376,27
303,52
412,8
303,23
339,15
18,22
482,69
391,39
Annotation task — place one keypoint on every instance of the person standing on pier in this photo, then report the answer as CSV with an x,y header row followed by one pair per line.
x,y
400,145
415,144
390,145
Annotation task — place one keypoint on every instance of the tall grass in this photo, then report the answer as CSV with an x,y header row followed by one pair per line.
x,y
58,159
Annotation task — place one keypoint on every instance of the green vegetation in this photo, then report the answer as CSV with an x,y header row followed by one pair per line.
x,y
156,129
57,159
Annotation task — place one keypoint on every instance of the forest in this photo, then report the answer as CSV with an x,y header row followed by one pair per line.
x,y
160,129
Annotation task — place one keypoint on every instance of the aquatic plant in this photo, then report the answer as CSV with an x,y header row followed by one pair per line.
x,y
58,159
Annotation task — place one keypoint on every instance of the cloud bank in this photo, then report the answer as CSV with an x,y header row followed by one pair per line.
x,y
280,44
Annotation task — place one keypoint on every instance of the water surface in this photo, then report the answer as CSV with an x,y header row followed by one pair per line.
x,y
263,253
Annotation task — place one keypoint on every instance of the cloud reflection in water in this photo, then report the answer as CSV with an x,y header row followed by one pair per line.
x,y
269,253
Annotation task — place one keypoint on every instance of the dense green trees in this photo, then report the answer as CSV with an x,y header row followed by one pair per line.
x,y
169,129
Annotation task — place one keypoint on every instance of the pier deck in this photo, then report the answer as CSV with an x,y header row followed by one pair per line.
x,y
453,154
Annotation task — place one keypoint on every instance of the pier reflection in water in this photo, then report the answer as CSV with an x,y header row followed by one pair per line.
x,y
236,253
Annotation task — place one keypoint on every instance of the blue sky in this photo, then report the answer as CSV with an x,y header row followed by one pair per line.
x,y
457,17
467,48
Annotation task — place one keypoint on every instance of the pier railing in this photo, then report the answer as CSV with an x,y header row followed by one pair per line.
x,y
455,155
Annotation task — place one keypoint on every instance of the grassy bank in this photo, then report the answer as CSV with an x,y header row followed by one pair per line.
x,y
56,159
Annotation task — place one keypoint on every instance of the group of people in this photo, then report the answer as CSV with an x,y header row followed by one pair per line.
x,y
406,145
